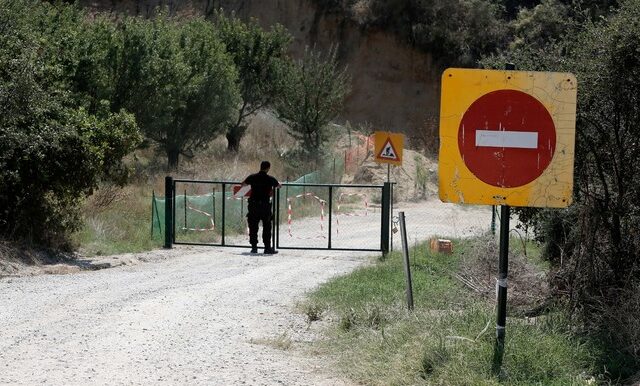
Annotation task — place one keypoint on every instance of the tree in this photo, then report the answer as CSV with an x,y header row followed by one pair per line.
x,y
174,76
258,56
313,93
458,32
52,152
540,25
594,245
454,32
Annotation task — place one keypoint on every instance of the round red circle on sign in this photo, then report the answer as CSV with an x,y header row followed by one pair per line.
x,y
507,138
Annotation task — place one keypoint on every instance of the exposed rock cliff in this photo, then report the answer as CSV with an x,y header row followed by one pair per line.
x,y
394,86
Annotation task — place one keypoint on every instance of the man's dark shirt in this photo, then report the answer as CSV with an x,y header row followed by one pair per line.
x,y
261,186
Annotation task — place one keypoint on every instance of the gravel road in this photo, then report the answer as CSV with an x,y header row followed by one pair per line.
x,y
215,316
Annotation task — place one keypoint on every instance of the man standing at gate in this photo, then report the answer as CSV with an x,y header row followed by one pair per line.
x,y
259,209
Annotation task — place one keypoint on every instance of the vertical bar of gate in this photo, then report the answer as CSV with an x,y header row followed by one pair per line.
x,y
276,228
185,209
173,211
168,197
224,201
273,225
330,210
384,236
213,206
168,211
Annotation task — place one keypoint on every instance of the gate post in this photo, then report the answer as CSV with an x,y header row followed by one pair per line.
x,y
386,217
168,212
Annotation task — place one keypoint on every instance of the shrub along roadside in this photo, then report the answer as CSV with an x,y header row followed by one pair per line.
x,y
448,339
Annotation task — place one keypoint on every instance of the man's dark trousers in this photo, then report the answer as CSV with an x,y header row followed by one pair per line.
x,y
259,211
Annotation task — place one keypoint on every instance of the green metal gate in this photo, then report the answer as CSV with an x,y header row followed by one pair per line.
x,y
306,216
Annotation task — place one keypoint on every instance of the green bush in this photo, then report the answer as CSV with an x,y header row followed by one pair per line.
x,y
52,151
593,246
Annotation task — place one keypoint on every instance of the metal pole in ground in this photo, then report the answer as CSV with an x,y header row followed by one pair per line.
x,y
405,254
158,216
386,218
501,288
503,267
153,206
391,207
391,217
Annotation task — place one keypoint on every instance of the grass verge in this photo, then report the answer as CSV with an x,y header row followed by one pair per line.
x,y
448,339
122,226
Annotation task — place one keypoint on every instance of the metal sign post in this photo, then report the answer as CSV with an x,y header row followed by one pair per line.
x,y
503,267
506,138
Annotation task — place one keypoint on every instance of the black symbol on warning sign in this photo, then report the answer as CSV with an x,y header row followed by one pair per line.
x,y
388,151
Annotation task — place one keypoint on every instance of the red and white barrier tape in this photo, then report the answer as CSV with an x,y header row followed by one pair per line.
x,y
338,214
213,226
290,212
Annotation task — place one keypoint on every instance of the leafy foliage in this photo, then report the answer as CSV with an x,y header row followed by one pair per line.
x,y
52,151
537,26
313,92
174,76
594,245
258,56
456,32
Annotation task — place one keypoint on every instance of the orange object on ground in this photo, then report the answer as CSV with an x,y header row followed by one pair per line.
x,y
441,245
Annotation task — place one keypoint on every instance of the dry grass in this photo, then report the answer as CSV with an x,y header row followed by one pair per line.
x,y
266,139
448,338
20,258
117,220
528,286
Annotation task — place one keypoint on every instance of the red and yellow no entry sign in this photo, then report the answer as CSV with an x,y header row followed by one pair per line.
x,y
507,137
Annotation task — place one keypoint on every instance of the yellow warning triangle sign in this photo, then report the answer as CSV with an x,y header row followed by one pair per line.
x,y
388,152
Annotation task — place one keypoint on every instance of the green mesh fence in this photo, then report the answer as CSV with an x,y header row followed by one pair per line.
x,y
198,216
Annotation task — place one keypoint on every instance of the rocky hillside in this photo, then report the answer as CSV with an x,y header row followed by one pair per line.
x,y
394,87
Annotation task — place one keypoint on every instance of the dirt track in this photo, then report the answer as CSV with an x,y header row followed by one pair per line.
x,y
187,316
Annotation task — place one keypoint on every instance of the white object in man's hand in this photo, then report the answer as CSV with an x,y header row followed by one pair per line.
x,y
242,191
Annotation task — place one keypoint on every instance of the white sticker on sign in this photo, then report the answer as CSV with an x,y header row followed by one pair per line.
x,y
513,139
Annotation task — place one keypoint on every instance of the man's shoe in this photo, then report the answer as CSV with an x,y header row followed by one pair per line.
x,y
270,251
254,249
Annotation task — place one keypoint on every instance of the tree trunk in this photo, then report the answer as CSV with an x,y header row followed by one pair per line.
x,y
234,135
173,156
